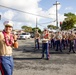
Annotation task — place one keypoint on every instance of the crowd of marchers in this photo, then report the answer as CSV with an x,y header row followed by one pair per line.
x,y
59,41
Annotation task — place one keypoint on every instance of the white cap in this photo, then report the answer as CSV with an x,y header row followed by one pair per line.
x,y
8,23
46,29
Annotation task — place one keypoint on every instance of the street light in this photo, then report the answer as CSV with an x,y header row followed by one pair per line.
x,y
56,13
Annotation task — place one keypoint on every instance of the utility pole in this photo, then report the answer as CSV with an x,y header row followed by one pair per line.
x,y
0,17
56,14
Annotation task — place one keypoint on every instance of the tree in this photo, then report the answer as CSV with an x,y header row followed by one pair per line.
x,y
52,27
34,29
30,29
26,28
69,22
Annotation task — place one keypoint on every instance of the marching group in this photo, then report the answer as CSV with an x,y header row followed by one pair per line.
x,y
58,41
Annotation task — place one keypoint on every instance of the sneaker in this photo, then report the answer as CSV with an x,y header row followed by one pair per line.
x,y
42,57
73,51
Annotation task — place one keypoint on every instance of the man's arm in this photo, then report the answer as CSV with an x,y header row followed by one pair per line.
x,y
15,42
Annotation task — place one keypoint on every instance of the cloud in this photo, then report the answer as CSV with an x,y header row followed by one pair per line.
x,y
30,7
52,14
52,11
9,14
68,8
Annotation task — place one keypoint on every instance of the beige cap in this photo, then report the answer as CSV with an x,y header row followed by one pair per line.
x,y
46,29
8,23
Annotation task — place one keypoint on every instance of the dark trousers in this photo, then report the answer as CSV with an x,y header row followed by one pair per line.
x,y
63,43
71,46
52,43
66,43
45,49
58,45
37,43
6,65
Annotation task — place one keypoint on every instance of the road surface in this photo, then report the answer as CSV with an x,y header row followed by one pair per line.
x,y
27,61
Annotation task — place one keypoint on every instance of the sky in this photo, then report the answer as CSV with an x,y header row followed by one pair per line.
x,y
34,12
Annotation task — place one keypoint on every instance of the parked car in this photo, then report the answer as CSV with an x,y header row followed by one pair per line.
x,y
25,36
32,35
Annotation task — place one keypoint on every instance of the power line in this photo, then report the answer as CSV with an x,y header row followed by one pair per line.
x,y
22,11
27,13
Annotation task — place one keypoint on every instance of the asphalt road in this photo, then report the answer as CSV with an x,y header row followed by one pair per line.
x,y
27,61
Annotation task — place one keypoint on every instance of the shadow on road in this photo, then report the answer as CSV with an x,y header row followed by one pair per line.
x,y
31,49
15,58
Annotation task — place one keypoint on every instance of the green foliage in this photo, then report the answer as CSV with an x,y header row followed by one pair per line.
x,y
30,29
69,14
69,22
26,28
34,29
52,27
